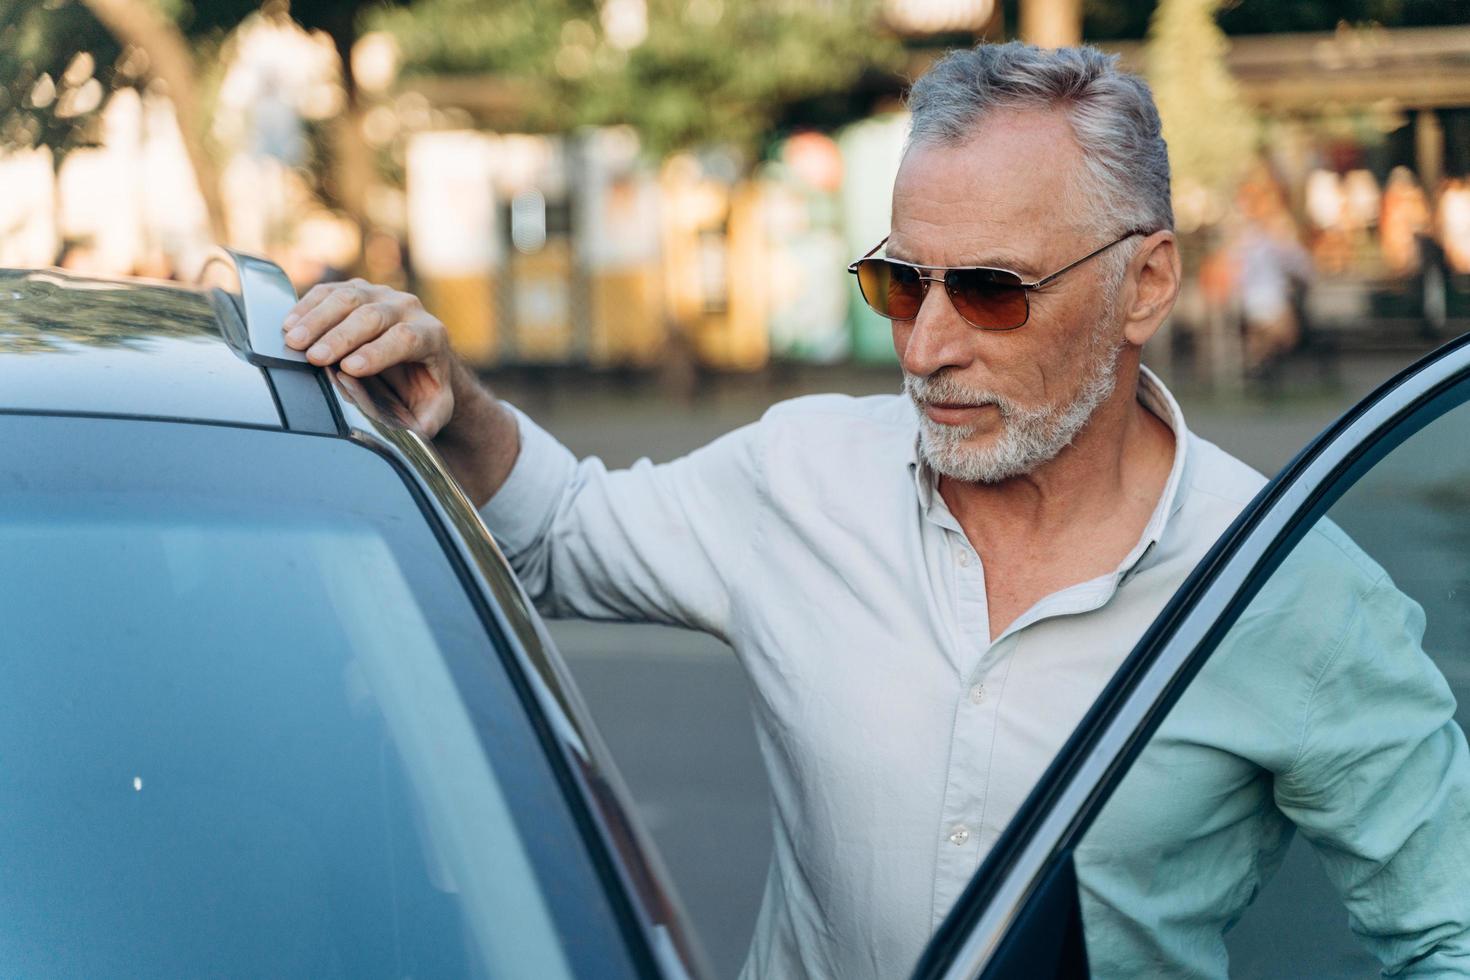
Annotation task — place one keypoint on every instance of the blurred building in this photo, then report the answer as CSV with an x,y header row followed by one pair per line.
x,y
1367,139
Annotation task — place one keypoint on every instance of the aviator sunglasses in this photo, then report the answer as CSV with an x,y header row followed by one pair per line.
x,y
991,299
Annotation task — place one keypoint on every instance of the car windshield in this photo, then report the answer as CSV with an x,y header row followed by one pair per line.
x,y
250,724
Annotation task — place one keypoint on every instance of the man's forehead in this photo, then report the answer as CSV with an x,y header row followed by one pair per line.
x,y
989,199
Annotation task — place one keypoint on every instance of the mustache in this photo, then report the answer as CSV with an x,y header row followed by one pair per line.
x,y
946,389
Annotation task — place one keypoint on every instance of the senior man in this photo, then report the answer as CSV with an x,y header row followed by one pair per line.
x,y
926,590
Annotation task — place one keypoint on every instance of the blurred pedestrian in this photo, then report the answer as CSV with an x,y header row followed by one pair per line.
x,y
1272,272
1454,223
1272,267
1404,220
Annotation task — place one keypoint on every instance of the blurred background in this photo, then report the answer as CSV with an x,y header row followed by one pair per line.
x,y
634,217
675,185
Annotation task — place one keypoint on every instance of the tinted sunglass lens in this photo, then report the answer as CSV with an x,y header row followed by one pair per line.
x,y
987,298
891,289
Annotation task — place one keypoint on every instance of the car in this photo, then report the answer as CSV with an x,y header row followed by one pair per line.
x,y
272,702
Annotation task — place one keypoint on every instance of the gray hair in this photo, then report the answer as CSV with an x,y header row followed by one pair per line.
x,y
1125,175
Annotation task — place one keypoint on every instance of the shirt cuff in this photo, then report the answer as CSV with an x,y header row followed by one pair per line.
x,y
522,509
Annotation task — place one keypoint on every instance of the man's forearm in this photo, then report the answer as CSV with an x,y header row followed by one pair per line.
x,y
481,441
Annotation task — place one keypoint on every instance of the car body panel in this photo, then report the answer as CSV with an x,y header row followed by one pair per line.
x,y
152,350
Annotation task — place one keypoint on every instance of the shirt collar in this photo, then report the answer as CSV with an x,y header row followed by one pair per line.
x,y
1157,399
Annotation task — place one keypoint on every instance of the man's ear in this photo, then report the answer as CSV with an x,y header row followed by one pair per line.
x,y
1155,274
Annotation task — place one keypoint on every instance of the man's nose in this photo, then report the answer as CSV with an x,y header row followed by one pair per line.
x,y
937,337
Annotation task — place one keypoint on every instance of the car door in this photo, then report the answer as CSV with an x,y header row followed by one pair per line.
x,y
1276,780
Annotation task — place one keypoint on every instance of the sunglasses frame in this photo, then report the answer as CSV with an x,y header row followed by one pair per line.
x,y
1021,283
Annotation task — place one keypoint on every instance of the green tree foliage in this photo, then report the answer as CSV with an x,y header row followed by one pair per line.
x,y
57,68
44,44
1210,131
338,19
707,71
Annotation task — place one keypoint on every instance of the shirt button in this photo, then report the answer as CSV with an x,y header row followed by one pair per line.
x,y
965,559
959,835
977,693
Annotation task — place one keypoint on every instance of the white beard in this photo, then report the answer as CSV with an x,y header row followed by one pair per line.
x,y
1029,436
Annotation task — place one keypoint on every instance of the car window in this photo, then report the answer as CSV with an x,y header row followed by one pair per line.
x,y
251,724
1304,808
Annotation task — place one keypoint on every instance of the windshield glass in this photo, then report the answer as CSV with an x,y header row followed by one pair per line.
x,y
250,724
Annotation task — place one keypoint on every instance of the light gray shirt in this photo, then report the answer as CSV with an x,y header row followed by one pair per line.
x,y
899,739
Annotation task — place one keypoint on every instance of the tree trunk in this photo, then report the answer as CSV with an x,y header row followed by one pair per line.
x,y
351,166
136,23
1051,23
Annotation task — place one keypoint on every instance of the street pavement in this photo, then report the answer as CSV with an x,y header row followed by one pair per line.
x,y
672,705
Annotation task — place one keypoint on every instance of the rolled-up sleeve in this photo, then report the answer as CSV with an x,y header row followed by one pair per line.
x,y
1381,786
665,543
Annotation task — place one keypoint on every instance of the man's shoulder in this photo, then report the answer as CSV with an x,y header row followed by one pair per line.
x,y
1214,488
825,450
1220,480
838,410
852,427
1313,594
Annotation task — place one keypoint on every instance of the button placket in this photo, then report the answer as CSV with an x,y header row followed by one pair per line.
x,y
962,835
958,831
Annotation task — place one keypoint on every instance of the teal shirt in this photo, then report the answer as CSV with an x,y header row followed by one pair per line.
x,y
1319,712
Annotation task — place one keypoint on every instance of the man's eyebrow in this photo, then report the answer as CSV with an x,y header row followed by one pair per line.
x,y
993,260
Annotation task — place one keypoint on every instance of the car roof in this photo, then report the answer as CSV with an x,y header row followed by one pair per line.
x,y
93,346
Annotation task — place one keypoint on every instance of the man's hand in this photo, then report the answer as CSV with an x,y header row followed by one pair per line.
x,y
376,330
371,330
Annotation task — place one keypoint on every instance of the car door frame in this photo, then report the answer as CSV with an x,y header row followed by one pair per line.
x,y
1009,912
641,888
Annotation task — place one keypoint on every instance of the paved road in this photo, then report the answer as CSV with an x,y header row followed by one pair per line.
x,y
672,705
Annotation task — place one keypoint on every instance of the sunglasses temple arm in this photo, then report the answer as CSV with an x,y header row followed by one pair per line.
x,y
1095,252
1068,268
852,267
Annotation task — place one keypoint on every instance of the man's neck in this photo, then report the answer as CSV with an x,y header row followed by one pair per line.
x,y
1075,518
1117,465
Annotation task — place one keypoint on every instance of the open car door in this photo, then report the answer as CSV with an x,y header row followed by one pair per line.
x,y
1277,778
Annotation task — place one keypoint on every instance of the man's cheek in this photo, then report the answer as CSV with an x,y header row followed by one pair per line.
x,y
902,331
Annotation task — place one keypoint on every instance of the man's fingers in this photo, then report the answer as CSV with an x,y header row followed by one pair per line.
x,y
399,344
339,300
431,414
361,325
434,415
306,304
